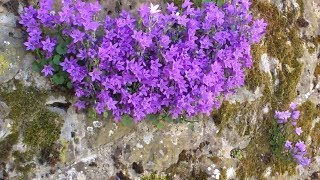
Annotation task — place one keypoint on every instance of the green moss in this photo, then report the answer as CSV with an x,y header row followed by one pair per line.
x,y
226,112
39,127
24,103
317,71
283,43
153,176
43,130
315,143
6,146
308,112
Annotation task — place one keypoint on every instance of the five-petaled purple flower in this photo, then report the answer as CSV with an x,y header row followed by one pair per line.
x,y
47,70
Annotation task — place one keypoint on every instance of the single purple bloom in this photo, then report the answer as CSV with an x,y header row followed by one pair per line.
x,y
80,105
48,45
298,131
293,105
300,146
294,122
295,115
47,70
77,35
186,4
95,75
288,145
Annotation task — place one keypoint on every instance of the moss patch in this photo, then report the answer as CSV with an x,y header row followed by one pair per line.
x,y
153,176
283,43
6,146
4,65
43,130
39,127
308,112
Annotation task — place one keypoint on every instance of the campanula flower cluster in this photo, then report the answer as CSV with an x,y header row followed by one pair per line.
x,y
178,61
297,149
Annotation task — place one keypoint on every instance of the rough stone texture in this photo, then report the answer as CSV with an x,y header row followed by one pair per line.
x,y
208,149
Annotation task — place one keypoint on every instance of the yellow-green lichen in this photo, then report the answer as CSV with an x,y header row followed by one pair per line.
x,y
153,176
4,65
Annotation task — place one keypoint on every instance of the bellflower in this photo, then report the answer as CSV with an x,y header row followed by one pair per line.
x,y
183,62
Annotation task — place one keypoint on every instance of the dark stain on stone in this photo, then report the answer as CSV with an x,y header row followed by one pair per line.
x,y
93,164
184,156
301,22
12,6
315,176
122,176
137,167
60,105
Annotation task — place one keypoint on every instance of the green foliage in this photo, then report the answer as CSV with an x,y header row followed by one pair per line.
x,y
58,79
277,141
127,120
236,153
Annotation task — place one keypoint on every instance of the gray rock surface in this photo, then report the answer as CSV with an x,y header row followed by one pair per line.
x,y
102,149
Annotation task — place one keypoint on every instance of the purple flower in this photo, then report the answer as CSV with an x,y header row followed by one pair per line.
x,y
298,131
295,115
300,147
282,116
95,74
77,35
80,105
288,145
184,62
293,105
47,70
48,45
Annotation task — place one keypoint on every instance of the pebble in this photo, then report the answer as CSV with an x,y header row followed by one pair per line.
x,y
1,9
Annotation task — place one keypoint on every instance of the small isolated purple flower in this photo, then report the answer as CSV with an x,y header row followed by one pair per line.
x,y
293,105
288,145
295,115
47,70
294,122
48,45
298,131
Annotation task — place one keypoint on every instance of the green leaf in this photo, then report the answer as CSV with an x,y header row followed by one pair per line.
x,y
127,120
69,85
160,125
153,118
220,2
36,67
56,59
61,49
92,113
168,119
58,79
